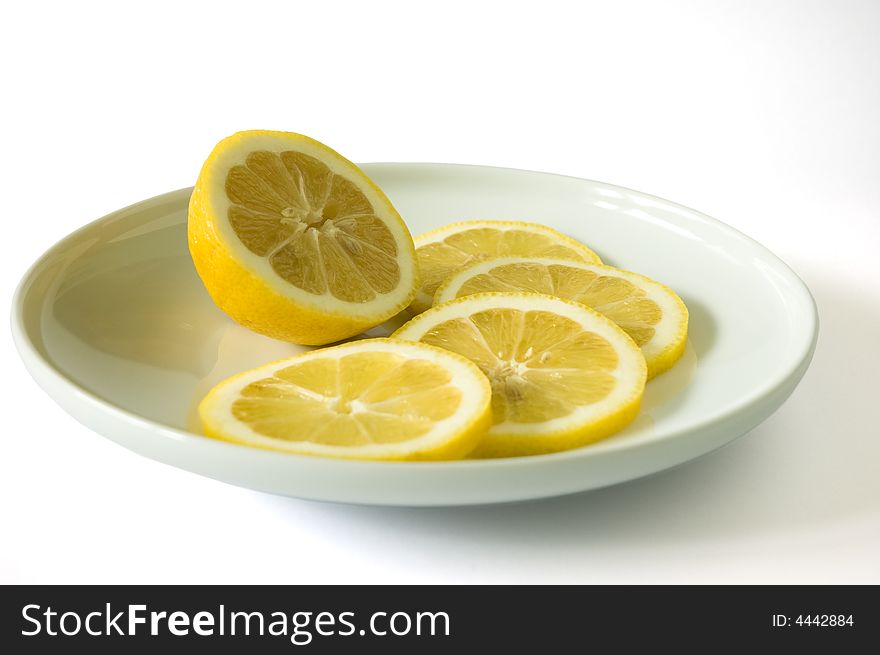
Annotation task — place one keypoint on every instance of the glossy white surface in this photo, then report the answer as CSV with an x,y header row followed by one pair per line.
x,y
115,325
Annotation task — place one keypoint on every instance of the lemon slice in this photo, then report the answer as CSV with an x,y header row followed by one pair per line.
x,y
649,312
562,374
369,399
293,241
445,250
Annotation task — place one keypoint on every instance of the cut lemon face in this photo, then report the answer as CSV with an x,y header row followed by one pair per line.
x,y
370,399
445,250
562,374
652,314
293,241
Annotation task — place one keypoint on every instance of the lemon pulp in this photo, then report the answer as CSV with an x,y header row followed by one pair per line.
x,y
316,229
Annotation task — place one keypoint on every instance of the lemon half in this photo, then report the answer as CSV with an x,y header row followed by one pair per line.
x,y
294,241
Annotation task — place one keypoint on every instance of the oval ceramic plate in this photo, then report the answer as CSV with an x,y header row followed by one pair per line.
x,y
115,325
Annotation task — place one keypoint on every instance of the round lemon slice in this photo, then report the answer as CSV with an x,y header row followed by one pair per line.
x,y
649,312
293,241
447,249
562,374
369,399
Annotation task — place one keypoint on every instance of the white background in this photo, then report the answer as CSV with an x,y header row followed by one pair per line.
x,y
765,115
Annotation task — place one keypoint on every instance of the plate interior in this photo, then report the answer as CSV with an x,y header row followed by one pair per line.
x,y
125,317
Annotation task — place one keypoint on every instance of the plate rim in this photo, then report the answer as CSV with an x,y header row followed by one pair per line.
x,y
46,374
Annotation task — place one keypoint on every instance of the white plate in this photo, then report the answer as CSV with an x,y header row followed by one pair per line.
x,y
115,325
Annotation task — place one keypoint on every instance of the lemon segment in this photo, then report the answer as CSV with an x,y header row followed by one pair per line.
x,y
447,249
294,241
649,312
369,399
562,374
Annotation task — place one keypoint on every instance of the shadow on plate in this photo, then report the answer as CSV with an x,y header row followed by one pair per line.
x,y
702,327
